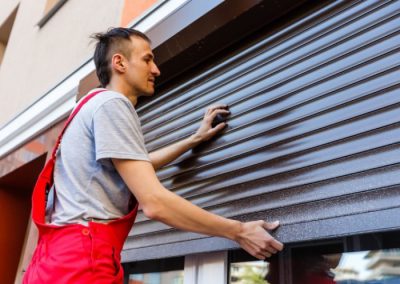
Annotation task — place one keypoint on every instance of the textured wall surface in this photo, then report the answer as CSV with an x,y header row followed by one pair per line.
x,y
36,59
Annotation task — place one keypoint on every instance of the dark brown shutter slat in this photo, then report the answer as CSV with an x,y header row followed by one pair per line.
x,y
313,139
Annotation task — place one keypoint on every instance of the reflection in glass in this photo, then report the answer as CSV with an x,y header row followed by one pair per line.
x,y
372,267
375,267
169,277
250,272
312,267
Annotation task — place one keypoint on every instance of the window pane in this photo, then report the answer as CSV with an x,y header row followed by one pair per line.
x,y
381,266
377,267
158,271
245,269
169,277
249,272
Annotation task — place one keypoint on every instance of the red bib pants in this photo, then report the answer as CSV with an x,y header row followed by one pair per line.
x,y
75,253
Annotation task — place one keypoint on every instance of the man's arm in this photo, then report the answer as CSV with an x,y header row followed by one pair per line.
x,y
160,204
205,132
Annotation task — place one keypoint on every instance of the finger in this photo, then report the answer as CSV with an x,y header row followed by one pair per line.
x,y
263,254
271,250
215,112
211,110
277,245
259,253
271,226
216,117
253,252
259,256
218,128
267,254
216,106
223,112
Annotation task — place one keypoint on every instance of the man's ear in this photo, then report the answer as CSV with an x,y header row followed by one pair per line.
x,y
118,62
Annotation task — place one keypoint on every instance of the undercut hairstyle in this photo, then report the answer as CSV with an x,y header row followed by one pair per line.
x,y
115,40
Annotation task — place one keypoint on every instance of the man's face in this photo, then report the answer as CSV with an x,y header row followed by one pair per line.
x,y
141,70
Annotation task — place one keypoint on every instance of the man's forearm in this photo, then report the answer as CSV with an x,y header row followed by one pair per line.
x,y
160,204
169,153
177,212
205,132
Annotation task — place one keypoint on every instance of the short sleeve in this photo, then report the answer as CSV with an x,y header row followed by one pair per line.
x,y
117,132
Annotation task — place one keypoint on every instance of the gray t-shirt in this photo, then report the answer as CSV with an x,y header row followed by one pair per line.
x,y
88,187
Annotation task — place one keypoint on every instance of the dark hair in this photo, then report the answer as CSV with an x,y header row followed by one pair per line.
x,y
108,43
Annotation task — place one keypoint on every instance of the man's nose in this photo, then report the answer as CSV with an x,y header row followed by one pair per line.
x,y
155,71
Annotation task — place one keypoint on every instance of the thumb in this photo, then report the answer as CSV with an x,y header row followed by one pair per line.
x,y
271,226
218,128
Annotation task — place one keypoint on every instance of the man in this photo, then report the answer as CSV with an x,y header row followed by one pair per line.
x,y
102,161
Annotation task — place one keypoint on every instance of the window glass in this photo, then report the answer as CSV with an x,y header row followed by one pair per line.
x,y
5,31
374,266
245,269
249,272
377,266
169,277
160,271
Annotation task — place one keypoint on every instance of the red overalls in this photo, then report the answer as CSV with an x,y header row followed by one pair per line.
x,y
75,253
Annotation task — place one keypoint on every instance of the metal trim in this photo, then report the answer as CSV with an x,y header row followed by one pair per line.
x,y
51,13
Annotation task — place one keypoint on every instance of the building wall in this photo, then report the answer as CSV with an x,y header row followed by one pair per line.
x,y
42,57
7,6
133,9
33,62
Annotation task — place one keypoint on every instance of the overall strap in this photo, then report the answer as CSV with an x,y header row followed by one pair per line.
x,y
72,115
45,179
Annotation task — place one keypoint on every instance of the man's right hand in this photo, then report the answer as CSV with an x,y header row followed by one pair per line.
x,y
255,239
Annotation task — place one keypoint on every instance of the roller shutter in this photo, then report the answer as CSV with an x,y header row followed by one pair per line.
x,y
313,139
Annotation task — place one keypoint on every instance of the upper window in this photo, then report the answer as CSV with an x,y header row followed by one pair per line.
x,y
5,31
50,9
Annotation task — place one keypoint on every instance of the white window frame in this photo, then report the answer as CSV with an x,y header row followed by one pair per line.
x,y
206,268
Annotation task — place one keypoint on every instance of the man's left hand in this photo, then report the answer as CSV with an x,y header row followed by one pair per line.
x,y
206,131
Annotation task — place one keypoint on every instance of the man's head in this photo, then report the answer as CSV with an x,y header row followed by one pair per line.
x,y
124,54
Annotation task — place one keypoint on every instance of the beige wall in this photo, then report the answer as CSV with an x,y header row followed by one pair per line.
x,y
7,6
38,58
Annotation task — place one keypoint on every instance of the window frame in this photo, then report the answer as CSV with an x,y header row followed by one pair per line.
x,y
53,10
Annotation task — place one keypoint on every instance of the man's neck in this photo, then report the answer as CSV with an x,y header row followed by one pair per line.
x,y
125,90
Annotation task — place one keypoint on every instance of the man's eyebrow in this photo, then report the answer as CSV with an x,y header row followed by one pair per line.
x,y
150,55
